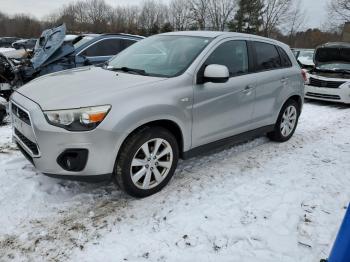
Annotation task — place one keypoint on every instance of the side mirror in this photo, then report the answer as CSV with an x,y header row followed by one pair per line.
x,y
216,74
81,59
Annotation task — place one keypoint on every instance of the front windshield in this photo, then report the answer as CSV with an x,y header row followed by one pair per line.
x,y
162,55
335,66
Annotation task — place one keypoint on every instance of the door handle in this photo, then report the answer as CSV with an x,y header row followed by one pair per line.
x,y
248,89
284,80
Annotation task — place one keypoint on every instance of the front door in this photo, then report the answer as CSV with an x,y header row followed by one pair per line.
x,y
221,110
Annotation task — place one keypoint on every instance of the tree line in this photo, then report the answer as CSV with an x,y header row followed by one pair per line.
x,y
280,19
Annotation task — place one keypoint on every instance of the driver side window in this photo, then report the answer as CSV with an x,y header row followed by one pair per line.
x,y
233,55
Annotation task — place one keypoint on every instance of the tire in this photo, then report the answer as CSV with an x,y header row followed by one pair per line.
x,y
279,134
133,165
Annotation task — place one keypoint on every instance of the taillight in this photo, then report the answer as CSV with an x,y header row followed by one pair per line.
x,y
304,75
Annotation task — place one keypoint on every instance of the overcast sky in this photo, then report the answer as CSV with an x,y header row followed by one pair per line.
x,y
316,9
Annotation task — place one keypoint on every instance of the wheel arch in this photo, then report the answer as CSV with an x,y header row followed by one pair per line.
x,y
297,99
170,125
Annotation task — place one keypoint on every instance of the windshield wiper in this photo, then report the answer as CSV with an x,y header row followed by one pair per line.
x,y
131,70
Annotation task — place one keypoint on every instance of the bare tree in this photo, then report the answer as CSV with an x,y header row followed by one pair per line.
x,y
67,15
338,13
274,14
97,12
80,13
19,25
199,13
132,18
220,12
152,16
180,14
296,21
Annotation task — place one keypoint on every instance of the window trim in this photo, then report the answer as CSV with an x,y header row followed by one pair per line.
x,y
280,50
103,39
199,70
256,70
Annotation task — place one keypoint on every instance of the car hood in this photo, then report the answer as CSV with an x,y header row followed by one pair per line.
x,y
332,54
81,87
51,47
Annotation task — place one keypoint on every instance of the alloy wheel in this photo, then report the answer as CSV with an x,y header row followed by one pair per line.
x,y
288,121
151,163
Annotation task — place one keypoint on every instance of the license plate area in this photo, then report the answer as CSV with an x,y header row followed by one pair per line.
x,y
23,127
23,134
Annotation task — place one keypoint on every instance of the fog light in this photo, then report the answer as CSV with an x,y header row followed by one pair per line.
x,y
73,159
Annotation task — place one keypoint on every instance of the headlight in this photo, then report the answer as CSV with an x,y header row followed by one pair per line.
x,y
81,119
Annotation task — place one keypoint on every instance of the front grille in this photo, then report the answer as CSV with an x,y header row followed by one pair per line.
x,y
20,113
29,144
324,83
316,95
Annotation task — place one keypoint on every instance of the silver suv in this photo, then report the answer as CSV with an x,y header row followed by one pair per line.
x,y
168,96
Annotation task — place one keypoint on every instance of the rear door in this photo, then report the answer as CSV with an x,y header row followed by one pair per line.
x,y
271,80
104,49
221,110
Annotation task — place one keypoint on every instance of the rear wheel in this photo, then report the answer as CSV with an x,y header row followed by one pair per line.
x,y
147,161
286,123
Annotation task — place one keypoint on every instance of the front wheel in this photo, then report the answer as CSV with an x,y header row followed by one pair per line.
x,y
286,123
147,161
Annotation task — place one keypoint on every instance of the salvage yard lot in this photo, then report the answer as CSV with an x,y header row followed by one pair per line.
x,y
258,201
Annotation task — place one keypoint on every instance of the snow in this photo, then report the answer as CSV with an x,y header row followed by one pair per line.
x,y
258,201
13,53
5,49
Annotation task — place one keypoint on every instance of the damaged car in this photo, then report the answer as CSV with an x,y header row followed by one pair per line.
x,y
53,53
330,79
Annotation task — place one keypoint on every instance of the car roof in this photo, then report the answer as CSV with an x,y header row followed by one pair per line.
x,y
216,34
123,34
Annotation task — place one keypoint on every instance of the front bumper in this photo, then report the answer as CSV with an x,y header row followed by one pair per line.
x,y
102,144
341,94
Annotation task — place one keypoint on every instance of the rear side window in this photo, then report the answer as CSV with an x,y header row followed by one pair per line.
x,y
108,47
233,54
285,61
267,57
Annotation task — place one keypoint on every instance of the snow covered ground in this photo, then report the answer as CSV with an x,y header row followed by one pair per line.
x,y
258,201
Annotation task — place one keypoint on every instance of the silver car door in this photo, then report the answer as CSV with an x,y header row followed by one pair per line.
x,y
221,110
271,79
